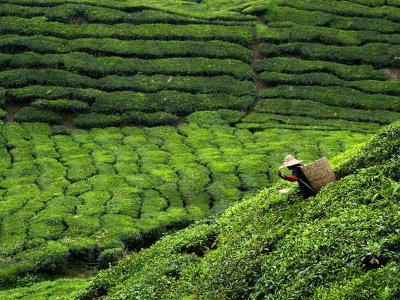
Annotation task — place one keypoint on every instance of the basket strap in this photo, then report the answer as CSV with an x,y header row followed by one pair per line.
x,y
308,186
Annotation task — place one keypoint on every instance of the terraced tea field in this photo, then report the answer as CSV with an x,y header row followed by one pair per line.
x,y
125,121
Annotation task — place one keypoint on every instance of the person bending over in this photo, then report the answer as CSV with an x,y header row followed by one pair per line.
x,y
294,165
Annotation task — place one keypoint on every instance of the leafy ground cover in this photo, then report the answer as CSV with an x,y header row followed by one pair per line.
x,y
91,195
341,244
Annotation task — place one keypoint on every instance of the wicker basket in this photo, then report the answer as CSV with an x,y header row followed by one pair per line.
x,y
319,173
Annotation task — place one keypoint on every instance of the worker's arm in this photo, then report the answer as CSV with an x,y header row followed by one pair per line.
x,y
288,178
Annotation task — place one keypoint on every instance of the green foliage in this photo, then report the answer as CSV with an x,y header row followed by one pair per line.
x,y
32,114
299,66
376,54
124,48
322,111
335,96
40,26
340,244
61,105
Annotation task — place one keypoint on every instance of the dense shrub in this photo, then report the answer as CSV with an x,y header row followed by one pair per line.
x,y
376,54
261,121
31,114
91,120
61,105
322,111
338,96
168,101
299,66
323,35
138,48
35,26
318,18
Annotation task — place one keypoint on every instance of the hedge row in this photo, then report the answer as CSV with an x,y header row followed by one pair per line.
x,y
32,114
98,67
95,120
168,101
307,108
336,96
298,66
66,13
345,8
104,102
260,121
60,105
324,79
237,34
317,18
51,93
108,47
378,55
141,83
323,35
134,7
317,78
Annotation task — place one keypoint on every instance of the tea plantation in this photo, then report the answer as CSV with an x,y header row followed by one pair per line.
x,y
123,121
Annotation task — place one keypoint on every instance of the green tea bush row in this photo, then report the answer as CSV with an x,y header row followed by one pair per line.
x,y
318,78
61,105
317,18
91,14
337,96
32,114
324,79
377,87
92,120
137,48
378,55
261,120
51,93
134,7
318,110
299,66
103,3
345,8
97,67
323,35
168,101
142,83
237,34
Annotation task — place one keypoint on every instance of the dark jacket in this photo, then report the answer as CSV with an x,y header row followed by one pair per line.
x,y
304,185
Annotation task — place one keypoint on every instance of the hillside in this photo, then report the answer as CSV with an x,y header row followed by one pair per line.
x,y
342,244
124,121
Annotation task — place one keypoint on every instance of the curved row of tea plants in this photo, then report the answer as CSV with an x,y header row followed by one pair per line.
x,y
327,63
115,69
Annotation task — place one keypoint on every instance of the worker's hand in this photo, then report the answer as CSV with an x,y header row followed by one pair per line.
x,y
280,174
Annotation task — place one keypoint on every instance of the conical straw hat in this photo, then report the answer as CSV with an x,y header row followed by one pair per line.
x,y
289,160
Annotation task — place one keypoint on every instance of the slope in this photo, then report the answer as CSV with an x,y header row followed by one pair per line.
x,y
342,244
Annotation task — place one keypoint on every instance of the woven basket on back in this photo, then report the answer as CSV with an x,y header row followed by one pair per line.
x,y
319,173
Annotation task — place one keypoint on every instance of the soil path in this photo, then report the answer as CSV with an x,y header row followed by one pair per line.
x,y
393,73
256,56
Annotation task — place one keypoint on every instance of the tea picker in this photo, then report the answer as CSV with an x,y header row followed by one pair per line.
x,y
311,177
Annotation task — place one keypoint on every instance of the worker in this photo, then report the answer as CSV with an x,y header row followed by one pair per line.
x,y
294,165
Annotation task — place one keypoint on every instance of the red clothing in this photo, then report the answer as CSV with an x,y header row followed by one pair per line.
x,y
291,178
